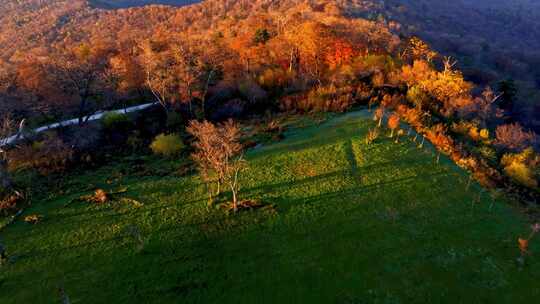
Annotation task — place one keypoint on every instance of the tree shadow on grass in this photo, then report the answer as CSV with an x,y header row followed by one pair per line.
x,y
297,143
325,197
276,188
314,199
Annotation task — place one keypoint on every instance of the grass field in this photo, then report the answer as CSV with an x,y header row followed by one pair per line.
x,y
351,224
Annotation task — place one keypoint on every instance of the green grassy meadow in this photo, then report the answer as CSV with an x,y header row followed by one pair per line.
x,y
352,224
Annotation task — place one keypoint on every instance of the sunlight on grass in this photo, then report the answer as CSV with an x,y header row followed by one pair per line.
x,y
354,223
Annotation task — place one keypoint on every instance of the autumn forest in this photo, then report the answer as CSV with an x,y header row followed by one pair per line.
x,y
269,151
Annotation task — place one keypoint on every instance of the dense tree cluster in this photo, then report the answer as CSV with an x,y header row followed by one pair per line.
x,y
67,57
232,58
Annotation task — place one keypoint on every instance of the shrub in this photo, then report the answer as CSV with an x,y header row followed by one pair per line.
x,y
418,97
9,203
484,134
135,142
322,99
474,134
487,153
33,219
378,80
372,135
438,136
372,63
462,127
513,137
6,129
521,167
291,102
363,93
47,156
167,145
329,99
115,121
412,116
274,79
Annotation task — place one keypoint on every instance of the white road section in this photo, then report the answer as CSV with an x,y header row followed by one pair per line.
x,y
70,122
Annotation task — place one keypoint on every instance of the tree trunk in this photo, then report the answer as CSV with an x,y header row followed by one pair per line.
x,y
218,188
234,197
206,87
82,108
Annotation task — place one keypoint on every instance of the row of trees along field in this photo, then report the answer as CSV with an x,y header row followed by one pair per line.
x,y
233,59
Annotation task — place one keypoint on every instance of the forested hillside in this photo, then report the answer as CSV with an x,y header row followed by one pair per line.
x,y
238,58
291,151
132,3
495,42
39,35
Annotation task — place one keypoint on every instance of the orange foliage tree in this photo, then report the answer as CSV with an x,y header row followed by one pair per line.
x,y
393,123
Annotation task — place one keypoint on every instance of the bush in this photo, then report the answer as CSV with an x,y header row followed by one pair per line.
x,y
372,135
363,93
477,134
514,138
167,145
418,98
412,116
487,153
47,156
521,167
135,142
274,79
322,99
115,122
438,136
10,203
329,99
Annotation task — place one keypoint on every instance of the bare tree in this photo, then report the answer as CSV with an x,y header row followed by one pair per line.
x,y
159,65
180,71
218,153
514,137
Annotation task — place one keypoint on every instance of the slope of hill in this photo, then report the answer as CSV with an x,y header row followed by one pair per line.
x,y
352,223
